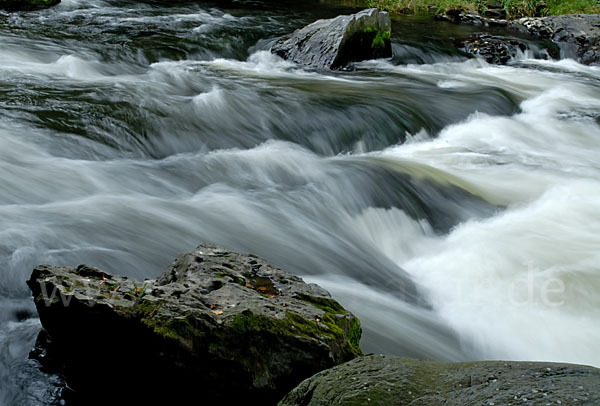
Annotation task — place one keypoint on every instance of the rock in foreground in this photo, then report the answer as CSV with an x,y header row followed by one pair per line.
x,y
390,380
217,326
331,44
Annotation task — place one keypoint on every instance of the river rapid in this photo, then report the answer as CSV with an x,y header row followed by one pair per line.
x,y
453,205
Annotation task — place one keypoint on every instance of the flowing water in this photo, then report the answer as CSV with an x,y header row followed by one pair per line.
x,y
453,205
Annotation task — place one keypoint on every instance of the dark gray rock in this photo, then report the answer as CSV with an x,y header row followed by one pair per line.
x,y
459,16
493,49
224,325
390,381
17,5
331,44
578,35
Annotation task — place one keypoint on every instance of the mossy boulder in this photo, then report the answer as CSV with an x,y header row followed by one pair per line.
x,y
225,324
16,5
396,381
333,43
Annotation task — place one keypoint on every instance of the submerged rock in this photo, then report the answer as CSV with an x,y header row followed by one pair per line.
x,y
217,325
331,44
390,380
15,5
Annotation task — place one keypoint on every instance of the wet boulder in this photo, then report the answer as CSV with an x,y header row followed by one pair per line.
x,y
494,49
219,326
333,43
390,380
17,5
578,35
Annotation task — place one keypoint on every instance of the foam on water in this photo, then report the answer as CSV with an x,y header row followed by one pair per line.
x,y
527,286
523,283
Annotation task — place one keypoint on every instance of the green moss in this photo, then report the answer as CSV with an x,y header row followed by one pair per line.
x,y
336,324
380,39
330,327
314,329
354,334
248,322
146,308
323,303
178,328
293,324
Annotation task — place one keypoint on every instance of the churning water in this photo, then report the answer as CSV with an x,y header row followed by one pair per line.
x,y
453,205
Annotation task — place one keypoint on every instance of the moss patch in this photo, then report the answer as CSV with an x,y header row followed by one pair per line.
x,y
323,303
294,324
337,324
380,38
354,334
178,328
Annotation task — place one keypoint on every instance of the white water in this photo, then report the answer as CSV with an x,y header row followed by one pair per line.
x,y
493,219
527,285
